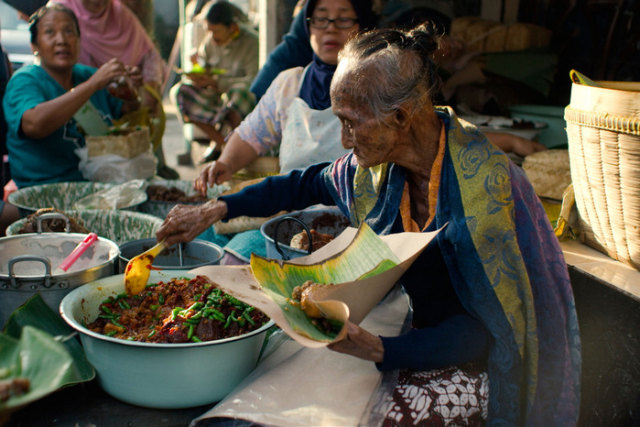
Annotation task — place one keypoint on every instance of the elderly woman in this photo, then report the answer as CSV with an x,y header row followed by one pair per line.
x,y
492,287
295,114
41,100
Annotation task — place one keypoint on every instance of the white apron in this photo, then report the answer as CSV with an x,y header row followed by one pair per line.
x,y
310,136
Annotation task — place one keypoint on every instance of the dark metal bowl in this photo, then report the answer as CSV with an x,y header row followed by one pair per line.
x,y
184,256
328,220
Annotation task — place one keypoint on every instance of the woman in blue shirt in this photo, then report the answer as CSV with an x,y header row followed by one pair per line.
x,y
41,100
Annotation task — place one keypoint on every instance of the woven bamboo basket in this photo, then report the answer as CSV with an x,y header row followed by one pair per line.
x,y
603,129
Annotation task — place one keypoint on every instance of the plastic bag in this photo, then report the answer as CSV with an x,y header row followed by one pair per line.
x,y
128,194
114,168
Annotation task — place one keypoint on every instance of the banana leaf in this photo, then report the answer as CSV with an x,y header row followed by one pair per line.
x,y
365,257
37,344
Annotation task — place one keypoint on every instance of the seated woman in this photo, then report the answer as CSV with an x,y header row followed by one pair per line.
x,y
491,288
110,30
41,100
8,213
295,114
294,118
205,99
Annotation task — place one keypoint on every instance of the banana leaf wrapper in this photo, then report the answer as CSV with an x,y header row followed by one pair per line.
x,y
38,345
361,266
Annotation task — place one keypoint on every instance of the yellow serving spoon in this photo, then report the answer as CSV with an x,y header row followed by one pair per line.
x,y
138,269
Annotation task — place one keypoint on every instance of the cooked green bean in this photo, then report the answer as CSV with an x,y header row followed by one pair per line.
x,y
190,332
115,322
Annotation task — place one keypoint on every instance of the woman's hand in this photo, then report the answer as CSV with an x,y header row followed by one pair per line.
x,y
514,144
214,173
135,74
524,147
235,155
108,72
203,80
48,116
185,222
360,343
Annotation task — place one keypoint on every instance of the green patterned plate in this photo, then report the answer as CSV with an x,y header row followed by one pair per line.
x,y
61,195
120,226
161,209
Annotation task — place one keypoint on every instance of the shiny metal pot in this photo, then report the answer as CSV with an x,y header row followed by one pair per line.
x,y
28,265
183,256
279,230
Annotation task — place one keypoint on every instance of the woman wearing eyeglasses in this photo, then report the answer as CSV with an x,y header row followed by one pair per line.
x,y
293,120
294,117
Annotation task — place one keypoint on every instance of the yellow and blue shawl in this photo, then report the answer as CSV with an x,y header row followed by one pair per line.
x,y
504,262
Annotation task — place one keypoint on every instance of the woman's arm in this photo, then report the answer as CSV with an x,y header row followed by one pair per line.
x,y
298,189
259,132
514,144
46,117
236,154
185,222
456,340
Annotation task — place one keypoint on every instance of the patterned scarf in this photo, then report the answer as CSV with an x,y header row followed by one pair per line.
x,y
504,262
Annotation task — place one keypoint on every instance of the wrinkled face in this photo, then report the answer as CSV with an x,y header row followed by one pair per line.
x,y
58,41
371,140
326,43
95,7
222,34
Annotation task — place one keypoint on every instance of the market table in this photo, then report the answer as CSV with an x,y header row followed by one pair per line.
x,y
86,404
337,390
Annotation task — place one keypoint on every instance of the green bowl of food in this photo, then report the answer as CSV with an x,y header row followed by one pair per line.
x,y
149,371
77,195
164,194
119,226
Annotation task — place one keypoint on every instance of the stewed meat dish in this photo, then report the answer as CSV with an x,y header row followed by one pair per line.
x,y
178,311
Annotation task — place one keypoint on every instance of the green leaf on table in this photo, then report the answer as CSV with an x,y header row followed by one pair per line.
x,y
36,315
38,357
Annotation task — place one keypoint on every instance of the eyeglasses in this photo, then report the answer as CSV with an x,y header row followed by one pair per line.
x,y
323,23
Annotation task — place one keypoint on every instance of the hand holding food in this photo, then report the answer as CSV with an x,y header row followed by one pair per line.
x,y
122,87
185,222
135,74
203,80
214,173
107,73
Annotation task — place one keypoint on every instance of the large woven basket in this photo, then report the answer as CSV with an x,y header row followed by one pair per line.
x,y
603,129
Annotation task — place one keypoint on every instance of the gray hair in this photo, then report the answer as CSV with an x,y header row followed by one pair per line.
x,y
400,61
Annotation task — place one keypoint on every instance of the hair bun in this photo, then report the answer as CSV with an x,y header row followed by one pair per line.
x,y
425,38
